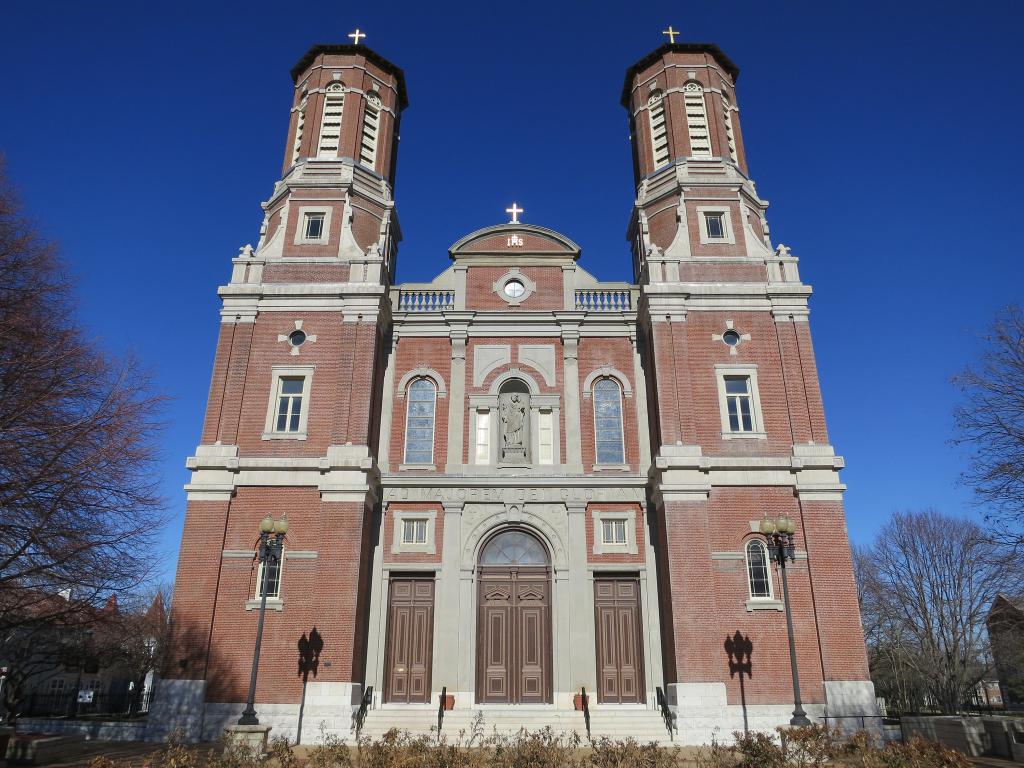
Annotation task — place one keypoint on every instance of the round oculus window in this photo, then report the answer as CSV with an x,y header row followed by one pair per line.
x,y
730,337
297,338
514,289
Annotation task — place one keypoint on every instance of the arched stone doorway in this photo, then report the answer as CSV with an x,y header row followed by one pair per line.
x,y
514,620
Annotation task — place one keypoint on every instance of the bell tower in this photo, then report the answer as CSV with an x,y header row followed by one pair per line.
x,y
737,422
293,415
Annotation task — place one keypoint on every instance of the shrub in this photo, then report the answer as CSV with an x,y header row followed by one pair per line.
x,y
331,752
916,753
609,753
809,746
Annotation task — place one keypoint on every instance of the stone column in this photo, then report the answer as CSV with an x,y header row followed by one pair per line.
x,y
640,398
457,392
582,659
570,347
447,615
387,402
376,625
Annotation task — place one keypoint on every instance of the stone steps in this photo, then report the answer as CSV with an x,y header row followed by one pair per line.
x,y
640,724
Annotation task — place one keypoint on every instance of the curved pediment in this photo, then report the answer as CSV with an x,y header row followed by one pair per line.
x,y
515,240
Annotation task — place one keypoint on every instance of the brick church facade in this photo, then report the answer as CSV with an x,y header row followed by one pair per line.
x,y
516,481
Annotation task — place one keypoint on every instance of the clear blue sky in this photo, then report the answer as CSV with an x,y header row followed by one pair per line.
x,y
886,135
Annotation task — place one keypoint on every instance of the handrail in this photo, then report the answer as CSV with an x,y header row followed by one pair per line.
x,y
666,712
360,714
440,709
586,710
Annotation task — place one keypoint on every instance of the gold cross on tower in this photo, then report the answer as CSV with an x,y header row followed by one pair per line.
x,y
356,35
514,211
670,32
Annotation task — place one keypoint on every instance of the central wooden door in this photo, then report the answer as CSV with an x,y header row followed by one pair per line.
x,y
620,662
410,640
514,622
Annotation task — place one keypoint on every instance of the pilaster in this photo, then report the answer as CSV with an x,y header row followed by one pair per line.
x,y
447,615
570,363
457,395
583,661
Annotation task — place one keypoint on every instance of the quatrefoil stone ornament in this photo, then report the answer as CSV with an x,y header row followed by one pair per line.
x,y
296,338
731,337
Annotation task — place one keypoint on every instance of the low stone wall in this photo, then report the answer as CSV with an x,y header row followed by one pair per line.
x,y
966,734
103,730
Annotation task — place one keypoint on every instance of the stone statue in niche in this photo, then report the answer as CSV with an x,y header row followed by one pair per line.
x,y
514,410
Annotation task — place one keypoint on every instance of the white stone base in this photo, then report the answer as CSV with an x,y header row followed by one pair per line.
x,y
177,706
703,714
328,711
852,706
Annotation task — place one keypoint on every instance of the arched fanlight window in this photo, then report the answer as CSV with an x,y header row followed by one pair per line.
x,y
659,131
697,120
759,577
330,125
608,422
419,422
514,548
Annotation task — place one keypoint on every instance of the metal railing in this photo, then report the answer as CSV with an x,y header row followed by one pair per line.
x,y
425,300
666,712
604,299
440,708
585,700
359,716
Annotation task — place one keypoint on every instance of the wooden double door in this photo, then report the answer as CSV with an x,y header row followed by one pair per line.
x,y
620,659
514,635
410,640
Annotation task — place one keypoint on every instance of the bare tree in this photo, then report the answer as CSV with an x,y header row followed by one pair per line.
x,y
927,583
991,422
78,451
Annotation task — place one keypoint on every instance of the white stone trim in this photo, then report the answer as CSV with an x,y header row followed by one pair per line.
x,y
740,369
598,516
498,287
300,225
604,372
541,357
730,233
398,546
422,372
488,357
277,373
516,373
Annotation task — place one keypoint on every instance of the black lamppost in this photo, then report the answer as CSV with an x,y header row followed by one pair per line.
x,y
269,555
778,533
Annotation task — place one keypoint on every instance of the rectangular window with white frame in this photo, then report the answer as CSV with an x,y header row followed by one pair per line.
x,y
288,411
613,532
268,575
313,226
414,531
715,225
739,401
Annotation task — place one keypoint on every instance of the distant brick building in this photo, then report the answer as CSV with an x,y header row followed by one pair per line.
x,y
516,481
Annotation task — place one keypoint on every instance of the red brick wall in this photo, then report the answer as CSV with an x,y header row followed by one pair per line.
x,y
321,593
388,533
616,557
480,288
434,353
617,353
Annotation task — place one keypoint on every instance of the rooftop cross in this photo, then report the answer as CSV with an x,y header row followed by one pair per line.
x,y
670,32
356,35
514,211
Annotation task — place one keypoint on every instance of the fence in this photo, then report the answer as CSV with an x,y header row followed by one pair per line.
x,y
66,704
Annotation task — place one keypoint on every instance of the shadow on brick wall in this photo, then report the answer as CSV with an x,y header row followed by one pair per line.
x,y
740,651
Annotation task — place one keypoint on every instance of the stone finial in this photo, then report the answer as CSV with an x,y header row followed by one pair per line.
x,y
654,252
246,251
783,251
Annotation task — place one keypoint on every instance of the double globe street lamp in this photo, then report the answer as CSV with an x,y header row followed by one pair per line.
x,y
778,534
269,556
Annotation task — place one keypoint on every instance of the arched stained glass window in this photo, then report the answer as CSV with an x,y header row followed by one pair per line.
x,y
419,422
514,548
608,422
758,574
